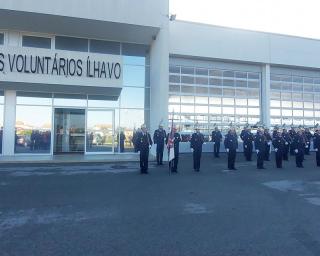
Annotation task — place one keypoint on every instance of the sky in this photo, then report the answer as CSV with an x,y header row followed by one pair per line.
x,y
290,17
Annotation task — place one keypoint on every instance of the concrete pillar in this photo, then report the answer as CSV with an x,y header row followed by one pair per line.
x,y
265,95
159,76
9,123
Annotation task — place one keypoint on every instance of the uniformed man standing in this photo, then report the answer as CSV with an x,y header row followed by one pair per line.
x,y
316,145
175,140
144,144
292,134
308,137
247,138
278,145
159,137
267,144
259,144
299,146
287,142
231,146
216,138
197,139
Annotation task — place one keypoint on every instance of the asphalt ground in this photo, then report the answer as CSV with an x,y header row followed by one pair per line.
x,y
110,209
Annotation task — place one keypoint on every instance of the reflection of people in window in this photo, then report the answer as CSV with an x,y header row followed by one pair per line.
x,y
122,139
90,139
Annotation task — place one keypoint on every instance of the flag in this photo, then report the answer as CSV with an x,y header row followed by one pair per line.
x,y
170,144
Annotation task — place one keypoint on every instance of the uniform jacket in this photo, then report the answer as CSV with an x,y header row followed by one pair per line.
x,y
159,136
260,142
143,141
299,143
247,137
216,136
231,141
197,139
176,142
278,142
316,141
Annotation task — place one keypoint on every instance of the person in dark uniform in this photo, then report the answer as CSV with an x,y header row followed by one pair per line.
x,y
197,139
267,144
292,134
231,146
144,144
287,142
176,139
216,138
159,137
316,145
278,144
260,146
308,137
247,138
122,140
299,146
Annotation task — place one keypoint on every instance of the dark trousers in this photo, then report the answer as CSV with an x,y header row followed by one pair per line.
x,y
307,149
144,158
231,158
159,155
267,153
286,152
216,149
247,151
299,158
174,163
260,159
318,157
196,159
279,156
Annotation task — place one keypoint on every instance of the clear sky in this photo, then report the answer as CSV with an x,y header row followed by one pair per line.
x,y
291,17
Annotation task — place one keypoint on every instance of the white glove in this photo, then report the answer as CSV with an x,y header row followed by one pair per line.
x,y
296,150
150,146
287,143
308,142
257,151
227,150
214,143
269,143
276,150
245,146
316,150
204,143
306,146
191,149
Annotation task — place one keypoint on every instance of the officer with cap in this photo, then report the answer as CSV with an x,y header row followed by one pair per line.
x,y
247,138
299,146
278,145
196,142
292,133
259,144
267,144
216,138
316,145
159,137
144,144
287,142
231,146
308,137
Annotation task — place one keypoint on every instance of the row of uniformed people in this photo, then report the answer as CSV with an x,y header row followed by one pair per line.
x,y
262,141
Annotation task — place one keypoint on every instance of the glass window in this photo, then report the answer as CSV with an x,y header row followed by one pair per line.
x,y
187,89
275,86
135,50
228,82
228,111
174,99
174,69
202,71
106,47
227,101
36,41
275,95
71,44
308,97
214,101
286,112
103,101
228,92
132,97
201,100
174,78
44,99
308,104
253,84
275,112
241,93
187,99
297,87
33,132
215,81
228,73
174,108
215,91
286,86
201,90
202,80
187,109
1,38
187,79
187,70
70,100
201,109
254,76
297,113
215,110
298,104
174,88
241,83
286,96
254,111
308,113
130,121
241,111
253,93
275,103
134,76
1,127
241,102
217,73
253,102
242,75
286,104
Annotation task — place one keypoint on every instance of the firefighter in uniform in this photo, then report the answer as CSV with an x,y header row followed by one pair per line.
x,y
316,145
292,134
176,143
287,142
144,144
197,139
308,137
159,137
267,144
299,147
247,138
278,144
259,144
216,138
231,146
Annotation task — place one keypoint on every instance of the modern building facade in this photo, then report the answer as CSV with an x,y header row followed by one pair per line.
x,y
83,78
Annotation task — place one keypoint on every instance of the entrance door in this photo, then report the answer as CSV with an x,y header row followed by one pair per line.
x,y
100,131
69,130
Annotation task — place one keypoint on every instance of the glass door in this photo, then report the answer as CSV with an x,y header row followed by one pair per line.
x,y
69,130
100,131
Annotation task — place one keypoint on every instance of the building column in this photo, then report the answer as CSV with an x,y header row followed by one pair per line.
x,y
265,96
159,77
9,123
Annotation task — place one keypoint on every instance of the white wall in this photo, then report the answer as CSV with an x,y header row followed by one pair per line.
x,y
207,41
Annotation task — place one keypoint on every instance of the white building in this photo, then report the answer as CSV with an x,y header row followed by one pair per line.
x,y
74,77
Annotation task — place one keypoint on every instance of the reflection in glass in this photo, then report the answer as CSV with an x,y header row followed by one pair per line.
x,y
100,131
132,97
33,129
134,76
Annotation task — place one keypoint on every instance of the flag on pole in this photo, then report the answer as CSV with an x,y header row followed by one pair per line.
x,y
170,144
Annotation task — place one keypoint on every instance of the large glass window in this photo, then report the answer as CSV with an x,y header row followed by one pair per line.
x,y
1,38
36,41
106,47
1,127
71,43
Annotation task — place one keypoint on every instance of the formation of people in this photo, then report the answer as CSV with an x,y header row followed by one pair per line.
x,y
295,142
